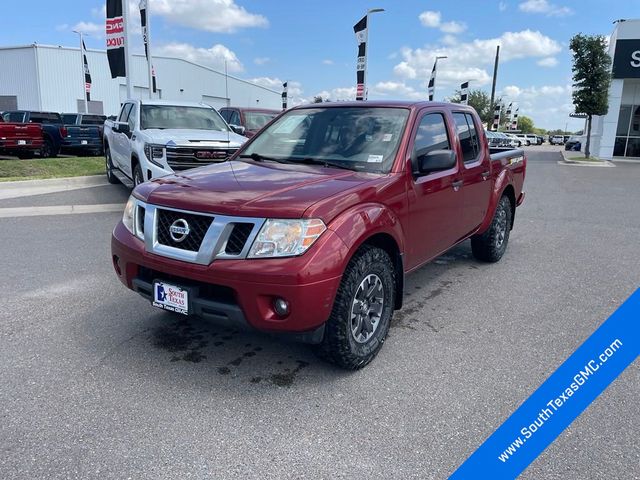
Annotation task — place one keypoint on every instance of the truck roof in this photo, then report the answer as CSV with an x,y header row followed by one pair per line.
x,y
385,103
176,103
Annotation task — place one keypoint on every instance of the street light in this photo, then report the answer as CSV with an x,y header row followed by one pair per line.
x,y
369,12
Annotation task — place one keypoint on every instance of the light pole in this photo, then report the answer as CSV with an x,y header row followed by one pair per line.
x,y
435,71
84,86
369,12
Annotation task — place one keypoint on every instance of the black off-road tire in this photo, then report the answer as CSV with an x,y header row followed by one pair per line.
x,y
111,178
339,345
491,245
48,150
138,176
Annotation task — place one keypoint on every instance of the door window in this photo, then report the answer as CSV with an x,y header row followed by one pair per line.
x,y
131,119
468,137
431,135
124,113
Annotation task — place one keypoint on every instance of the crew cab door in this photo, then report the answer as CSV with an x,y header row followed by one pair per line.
x,y
476,172
435,199
121,143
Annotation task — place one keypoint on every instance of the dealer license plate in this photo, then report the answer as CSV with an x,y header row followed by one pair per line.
x,y
22,142
83,142
170,297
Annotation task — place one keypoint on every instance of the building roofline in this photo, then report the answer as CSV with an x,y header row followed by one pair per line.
x,y
60,47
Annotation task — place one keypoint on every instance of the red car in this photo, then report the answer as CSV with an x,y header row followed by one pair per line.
x,y
20,139
310,229
247,121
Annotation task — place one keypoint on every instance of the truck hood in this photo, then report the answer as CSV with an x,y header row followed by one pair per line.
x,y
252,189
198,138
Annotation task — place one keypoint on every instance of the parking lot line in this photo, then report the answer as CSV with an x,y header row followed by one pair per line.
x,y
59,210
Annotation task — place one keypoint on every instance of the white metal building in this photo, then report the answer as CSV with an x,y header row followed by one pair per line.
x,y
44,77
617,134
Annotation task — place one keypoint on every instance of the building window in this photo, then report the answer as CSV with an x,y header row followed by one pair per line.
x,y
627,142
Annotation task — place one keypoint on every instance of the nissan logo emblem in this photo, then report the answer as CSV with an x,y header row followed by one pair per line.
x,y
179,230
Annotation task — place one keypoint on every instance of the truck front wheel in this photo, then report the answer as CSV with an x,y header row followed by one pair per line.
x,y
361,315
491,245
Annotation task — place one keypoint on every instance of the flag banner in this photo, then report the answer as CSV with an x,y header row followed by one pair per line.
x,y
285,91
514,123
145,40
432,81
87,73
560,399
464,93
360,29
115,38
496,117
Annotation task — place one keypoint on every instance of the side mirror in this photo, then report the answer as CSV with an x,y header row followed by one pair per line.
x,y
435,161
121,127
239,129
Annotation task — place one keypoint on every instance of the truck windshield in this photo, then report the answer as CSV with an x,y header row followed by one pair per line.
x,y
257,120
180,117
357,138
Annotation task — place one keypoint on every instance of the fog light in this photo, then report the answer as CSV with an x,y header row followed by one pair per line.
x,y
281,306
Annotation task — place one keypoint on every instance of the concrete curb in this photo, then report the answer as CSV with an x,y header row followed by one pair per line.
x,y
581,163
50,185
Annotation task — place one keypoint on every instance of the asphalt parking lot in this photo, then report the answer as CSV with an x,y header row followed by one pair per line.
x,y
95,383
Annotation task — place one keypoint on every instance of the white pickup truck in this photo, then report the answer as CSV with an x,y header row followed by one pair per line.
x,y
153,138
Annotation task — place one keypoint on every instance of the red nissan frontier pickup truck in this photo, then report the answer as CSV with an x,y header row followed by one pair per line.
x,y
310,228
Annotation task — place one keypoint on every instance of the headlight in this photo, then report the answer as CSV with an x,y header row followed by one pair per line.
x,y
129,214
286,238
154,152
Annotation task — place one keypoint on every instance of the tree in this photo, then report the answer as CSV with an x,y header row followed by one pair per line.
x,y
591,78
479,100
525,124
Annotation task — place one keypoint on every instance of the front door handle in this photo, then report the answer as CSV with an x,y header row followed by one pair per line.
x,y
485,175
456,184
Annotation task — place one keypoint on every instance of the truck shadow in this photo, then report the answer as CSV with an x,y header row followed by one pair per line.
x,y
198,352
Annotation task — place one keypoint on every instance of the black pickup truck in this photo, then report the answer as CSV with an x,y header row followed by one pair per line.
x,y
84,133
53,130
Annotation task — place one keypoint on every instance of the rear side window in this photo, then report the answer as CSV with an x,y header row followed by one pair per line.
x,y
45,118
16,117
431,135
468,137
69,119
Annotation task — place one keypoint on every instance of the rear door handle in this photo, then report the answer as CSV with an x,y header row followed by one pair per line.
x,y
485,175
456,184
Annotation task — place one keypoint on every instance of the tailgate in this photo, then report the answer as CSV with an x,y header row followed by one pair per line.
x,y
29,133
83,132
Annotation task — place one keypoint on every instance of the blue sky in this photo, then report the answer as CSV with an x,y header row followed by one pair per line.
x,y
311,43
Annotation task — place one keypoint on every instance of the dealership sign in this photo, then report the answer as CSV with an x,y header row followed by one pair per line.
x,y
626,61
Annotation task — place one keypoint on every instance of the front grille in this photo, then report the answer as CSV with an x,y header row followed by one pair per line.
x,y
190,157
238,238
198,226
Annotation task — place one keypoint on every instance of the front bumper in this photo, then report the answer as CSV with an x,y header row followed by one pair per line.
x,y
240,293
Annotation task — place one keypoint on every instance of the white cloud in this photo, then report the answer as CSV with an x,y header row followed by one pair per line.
x,y
213,57
549,105
502,6
548,62
220,16
430,19
472,60
327,61
433,19
544,7
396,90
261,60
90,28
294,88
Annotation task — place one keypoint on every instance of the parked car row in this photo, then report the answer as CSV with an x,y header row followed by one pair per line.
x,y
47,134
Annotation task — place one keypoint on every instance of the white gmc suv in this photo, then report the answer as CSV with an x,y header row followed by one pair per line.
x,y
153,138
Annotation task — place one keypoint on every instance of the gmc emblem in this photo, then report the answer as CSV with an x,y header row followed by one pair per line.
x,y
210,155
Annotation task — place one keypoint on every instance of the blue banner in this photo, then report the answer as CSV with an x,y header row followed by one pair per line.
x,y
560,399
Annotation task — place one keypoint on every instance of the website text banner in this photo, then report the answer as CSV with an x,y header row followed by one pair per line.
x,y
560,399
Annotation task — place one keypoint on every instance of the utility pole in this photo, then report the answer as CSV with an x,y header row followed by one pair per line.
x,y
495,75
127,62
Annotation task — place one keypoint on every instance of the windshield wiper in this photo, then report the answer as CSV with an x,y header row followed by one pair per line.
x,y
324,163
259,158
